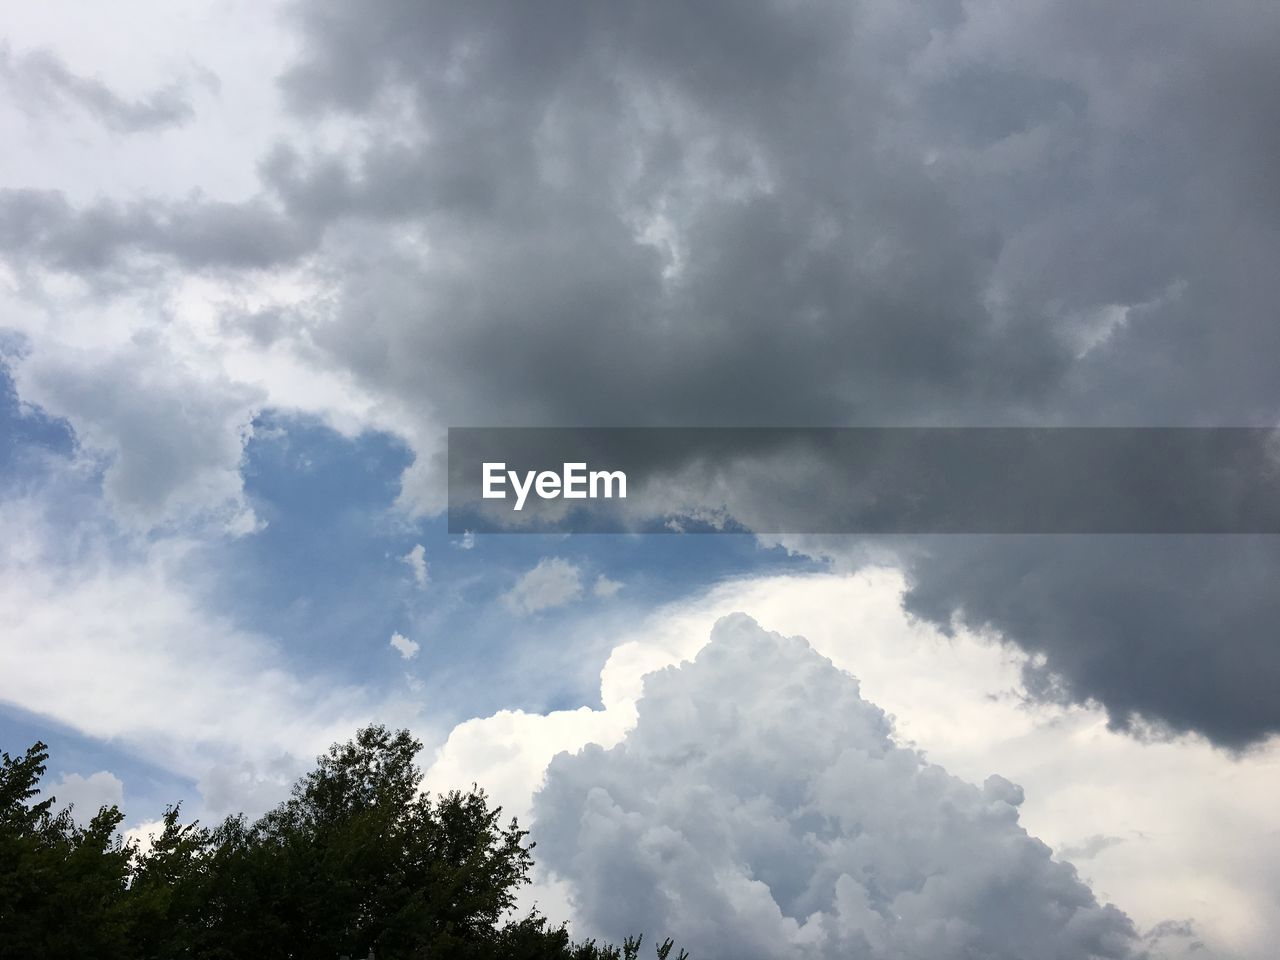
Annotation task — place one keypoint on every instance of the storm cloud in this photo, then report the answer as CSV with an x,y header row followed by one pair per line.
x,y
827,213
1172,634
831,212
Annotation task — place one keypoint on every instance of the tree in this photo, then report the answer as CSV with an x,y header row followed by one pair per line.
x,y
62,887
357,861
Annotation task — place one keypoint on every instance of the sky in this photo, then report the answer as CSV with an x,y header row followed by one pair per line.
x,y
257,257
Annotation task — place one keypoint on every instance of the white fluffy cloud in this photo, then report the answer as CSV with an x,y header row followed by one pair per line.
x,y
761,808
959,699
408,649
552,583
508,752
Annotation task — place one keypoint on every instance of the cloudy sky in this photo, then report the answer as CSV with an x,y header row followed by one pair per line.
x,y
255,258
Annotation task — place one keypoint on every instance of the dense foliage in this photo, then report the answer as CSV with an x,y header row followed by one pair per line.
x,y
357,862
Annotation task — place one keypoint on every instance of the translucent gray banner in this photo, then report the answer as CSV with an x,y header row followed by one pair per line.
x,y
865,480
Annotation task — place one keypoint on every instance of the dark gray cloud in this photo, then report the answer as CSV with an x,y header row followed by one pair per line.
x,y
759,808
772,214
41,226
794,269
40,82
854,213
826,214
1172,634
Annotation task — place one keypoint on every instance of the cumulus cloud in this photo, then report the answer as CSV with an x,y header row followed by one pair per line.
x,y
552,583
760,807
960,698
408,649
508,752
416,561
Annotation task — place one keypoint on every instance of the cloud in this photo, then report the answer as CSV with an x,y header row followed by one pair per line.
x,y
854,215
105,640
624,186
40,227
143,834
895,183
857,214
408,649
39,80
960,699
760,807
1171,634
1090,847
508,752
764,214
841,216
171,437
87,794
416,560
552,583
251,785
604,587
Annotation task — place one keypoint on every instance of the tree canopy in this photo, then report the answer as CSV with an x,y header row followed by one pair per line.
x,y
357,862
